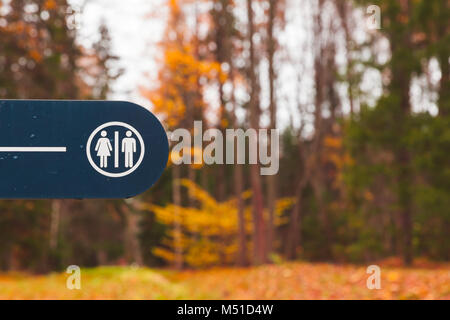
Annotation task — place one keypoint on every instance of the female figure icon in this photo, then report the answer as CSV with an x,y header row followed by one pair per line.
x,y
103,148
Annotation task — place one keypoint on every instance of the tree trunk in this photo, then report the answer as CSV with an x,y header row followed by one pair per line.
x,y
294,233
444,88
54,223
443,55
399,87
132,244
259,244
343,8
176,193
242,249
242,259
271,180
404,195
401,82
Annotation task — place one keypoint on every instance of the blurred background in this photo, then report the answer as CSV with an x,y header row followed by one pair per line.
x,y
361,99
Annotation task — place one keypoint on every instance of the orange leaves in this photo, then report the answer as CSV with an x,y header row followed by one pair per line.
x,y
319,281
333,142
186,70
174,7
185,74
50,5
333,151
35,55
168,103
180,83
282,281
18,27
26,38
369,196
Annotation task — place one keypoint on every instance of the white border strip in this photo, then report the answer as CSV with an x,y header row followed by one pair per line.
x,y
33,149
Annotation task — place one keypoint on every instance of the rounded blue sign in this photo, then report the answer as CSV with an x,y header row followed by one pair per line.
x,y
79,149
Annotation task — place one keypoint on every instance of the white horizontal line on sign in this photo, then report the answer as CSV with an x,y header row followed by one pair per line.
x,y
33,149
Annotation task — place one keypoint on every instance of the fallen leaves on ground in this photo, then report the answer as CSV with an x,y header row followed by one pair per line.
x,y
285,281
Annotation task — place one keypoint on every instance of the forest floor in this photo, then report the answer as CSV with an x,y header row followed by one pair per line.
x,y
284,281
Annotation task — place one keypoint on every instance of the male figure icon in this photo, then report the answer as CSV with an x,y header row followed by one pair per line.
x,y
129,148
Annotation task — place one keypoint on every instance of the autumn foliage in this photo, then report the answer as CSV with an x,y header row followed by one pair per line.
x,y
364,177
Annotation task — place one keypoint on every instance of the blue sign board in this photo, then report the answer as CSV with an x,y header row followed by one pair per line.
x,y
78,149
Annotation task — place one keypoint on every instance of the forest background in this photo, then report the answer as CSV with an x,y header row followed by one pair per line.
x,y
363,116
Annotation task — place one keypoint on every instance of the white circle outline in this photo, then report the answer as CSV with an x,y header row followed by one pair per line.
x,y
103,172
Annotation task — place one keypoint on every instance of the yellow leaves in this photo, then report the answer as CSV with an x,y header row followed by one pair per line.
x,y
199,194
212,70
182,78
209,230
348,160
111,282
334,155
168,103
281,206
336,159
164,254
204,249
186,70
393,276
